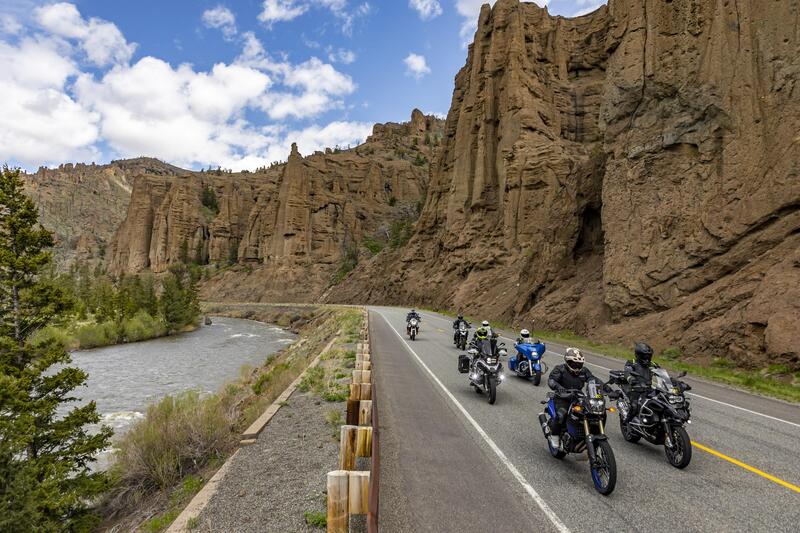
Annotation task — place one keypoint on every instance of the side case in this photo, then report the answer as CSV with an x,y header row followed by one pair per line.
x,y
463,363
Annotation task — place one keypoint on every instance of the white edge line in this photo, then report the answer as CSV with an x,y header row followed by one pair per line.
x,y
560,526
688,393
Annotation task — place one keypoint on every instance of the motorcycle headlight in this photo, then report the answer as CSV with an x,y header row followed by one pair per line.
x,y
491,360
675,398
597,406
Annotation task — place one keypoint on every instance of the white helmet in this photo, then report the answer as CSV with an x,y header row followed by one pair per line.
x,y
574,359
525,334
485,323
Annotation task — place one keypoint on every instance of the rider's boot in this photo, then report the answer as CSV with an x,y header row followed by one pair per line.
x,y
555,441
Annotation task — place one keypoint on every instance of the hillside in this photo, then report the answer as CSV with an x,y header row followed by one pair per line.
x,y
84,204
632,173
281,233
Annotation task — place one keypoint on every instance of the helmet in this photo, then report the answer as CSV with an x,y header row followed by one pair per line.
x,y
460,316
525,334
574,359
643,352
485,323
413,311
481,334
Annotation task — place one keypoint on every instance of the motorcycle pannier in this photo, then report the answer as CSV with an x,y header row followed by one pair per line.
x,y
463,363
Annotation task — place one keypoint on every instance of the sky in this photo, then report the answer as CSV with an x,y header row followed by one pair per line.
x,y
205,83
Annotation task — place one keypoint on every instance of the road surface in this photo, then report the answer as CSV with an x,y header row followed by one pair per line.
x,y
452,462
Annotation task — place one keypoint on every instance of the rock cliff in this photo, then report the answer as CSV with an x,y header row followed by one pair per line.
x,y
84,204
629,173
285,231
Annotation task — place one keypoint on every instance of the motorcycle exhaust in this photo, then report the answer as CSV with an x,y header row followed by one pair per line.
x,y
545,425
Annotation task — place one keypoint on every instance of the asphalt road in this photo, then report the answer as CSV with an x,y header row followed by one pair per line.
x,y
452,462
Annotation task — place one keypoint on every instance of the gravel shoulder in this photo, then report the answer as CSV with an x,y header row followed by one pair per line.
x,y
273,482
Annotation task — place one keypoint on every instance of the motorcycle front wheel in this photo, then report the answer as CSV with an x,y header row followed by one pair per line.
x,y
537,378
680,454
491,387
413,335
604,472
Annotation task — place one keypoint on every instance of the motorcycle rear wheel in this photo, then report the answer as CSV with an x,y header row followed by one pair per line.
x,y
680,454
604,476
492,389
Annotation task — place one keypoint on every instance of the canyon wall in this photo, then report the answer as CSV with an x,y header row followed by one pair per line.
x,y
280,233
83,204
629,173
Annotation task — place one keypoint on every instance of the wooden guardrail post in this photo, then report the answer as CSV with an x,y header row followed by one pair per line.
x,y
365,413
364,441
338,501
353,413
347,447
358,492
365,391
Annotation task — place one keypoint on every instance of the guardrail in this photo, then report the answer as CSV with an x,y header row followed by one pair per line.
x,y
353,492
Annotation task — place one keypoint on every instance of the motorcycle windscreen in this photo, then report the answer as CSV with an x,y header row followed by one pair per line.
x,y
485,348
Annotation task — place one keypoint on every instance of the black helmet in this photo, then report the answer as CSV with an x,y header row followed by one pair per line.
x,y
643,352
460,316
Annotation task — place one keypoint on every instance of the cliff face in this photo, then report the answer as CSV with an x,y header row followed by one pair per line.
x,y
84,204
287,229
629,173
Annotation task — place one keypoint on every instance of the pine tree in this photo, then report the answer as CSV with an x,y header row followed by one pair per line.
x,y
45,450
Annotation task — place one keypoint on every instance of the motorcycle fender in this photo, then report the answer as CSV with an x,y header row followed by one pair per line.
x,y
551,408
597,438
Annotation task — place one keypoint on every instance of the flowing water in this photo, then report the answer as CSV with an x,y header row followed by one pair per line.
x,y
125,378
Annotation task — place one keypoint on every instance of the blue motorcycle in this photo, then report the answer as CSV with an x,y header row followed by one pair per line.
x,y
528,361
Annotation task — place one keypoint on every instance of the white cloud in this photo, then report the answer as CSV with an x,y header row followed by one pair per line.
x,y
470,9
102,41
416,66
52,111
589,6
281,10
39,122
427,9
342,55
221,18
9,24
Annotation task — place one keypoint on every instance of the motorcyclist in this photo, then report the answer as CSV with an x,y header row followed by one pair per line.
x,y
525,338
485,324
460,320
481,334
412,314
638,374
569,375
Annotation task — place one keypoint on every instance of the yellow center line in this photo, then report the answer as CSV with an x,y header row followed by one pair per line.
x,y
748,467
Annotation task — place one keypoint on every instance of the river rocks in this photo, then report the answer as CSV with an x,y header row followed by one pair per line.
x,y
629,173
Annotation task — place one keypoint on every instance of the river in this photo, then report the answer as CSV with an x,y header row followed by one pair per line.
x,y
125,378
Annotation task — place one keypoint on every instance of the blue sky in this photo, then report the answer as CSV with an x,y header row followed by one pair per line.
x,y
231,83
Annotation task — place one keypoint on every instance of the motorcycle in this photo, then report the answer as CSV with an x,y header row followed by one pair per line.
x,y
412,328
662,415
583,430
528,361
484,367
461,336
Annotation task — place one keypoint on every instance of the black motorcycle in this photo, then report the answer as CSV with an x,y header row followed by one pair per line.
x,y
484,367
662,414
461,336
583,430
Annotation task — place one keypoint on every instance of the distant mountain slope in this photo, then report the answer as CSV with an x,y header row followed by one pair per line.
x,y
84,204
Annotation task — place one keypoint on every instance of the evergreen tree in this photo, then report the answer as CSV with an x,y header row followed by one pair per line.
x,y
179,300
45,450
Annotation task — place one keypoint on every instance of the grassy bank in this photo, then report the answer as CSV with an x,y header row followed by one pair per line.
x,y
167,457
774,381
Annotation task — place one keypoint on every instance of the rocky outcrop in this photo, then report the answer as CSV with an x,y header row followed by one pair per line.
x,y
629,173
84,204
283,231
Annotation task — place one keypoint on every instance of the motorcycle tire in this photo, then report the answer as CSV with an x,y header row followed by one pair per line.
x,y
413,335
537,378
627,432
680,454
491,387
604,480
